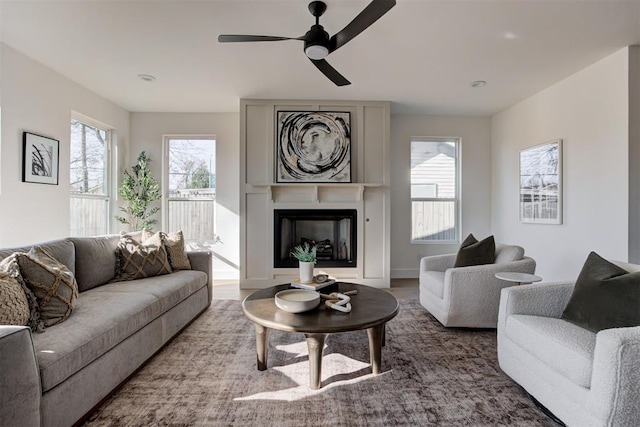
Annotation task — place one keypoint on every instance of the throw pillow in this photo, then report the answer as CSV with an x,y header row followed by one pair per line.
x,y
14,307
474,252
605,296
174,242
139,260
52,283
10,266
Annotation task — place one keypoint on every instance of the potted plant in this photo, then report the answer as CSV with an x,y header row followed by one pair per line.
x,y
306,256
139,188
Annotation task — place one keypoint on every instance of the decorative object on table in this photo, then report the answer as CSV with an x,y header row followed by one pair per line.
x,y
139,188
306,256
320,278
40,159
297,300
314,285
313,146
541,183
339,301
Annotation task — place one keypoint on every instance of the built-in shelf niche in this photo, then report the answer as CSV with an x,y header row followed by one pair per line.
x,y
316,193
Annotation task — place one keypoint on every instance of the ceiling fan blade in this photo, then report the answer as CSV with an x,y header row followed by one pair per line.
x,y
234,38
330,72
374,11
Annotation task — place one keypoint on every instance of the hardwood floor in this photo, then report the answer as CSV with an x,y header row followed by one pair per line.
x,y
228,289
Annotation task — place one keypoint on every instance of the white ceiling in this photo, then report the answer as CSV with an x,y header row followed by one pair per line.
x,y
421,55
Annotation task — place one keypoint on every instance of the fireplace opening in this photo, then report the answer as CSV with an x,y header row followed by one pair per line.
x,y
332,231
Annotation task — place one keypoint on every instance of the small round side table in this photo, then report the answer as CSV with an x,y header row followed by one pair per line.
x,y
518,278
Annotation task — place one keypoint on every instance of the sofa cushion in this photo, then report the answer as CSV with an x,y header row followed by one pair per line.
x,y
137,260
104,317
14,307
433,281
474,252
564,347
53,284
63,250
508,253
605,296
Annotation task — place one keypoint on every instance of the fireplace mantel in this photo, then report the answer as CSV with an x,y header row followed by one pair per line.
x,y
314,189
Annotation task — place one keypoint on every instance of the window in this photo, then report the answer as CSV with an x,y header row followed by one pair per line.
x,y
434,190
190,188
89,166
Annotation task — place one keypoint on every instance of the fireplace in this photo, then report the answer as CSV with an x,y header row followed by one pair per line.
x,y
332,231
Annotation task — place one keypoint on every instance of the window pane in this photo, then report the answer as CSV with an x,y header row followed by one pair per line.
x,y
88,159
88,216
192,184
433,169
433,220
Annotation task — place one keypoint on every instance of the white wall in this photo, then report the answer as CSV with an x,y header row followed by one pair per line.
x,y
147,130
589,111
476,184
37,99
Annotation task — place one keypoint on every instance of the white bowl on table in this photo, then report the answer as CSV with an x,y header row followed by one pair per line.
x,y
297,300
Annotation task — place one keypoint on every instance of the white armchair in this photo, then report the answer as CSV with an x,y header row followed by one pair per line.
x,y
583,378
468,296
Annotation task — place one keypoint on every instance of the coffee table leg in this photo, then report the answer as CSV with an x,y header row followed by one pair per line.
x,y
262,345
376,336
315,344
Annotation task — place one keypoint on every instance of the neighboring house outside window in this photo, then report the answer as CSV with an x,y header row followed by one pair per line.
x,y
435,196
89,178
190,189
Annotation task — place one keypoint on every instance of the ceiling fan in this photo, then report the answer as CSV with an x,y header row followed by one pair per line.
x,y
317,43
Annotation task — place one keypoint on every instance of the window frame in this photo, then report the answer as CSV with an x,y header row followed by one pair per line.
x,y
107,196
456,199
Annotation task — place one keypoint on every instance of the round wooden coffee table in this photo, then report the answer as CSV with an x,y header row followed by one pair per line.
x,y
371,309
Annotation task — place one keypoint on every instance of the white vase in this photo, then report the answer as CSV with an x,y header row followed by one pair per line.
x,y
306,272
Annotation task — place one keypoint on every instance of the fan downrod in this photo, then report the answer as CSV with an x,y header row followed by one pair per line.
x,y
317,8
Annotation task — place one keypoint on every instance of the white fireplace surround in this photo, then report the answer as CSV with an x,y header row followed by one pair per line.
x,y
368,193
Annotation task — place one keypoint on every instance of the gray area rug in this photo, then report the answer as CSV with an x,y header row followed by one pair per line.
x,y
432,376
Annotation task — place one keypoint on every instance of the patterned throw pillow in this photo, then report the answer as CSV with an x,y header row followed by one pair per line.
x,y
52,283
139,260
14,307
10,266
174,242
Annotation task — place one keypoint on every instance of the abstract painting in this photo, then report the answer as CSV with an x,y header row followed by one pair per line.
x,y
40,159
541,183
313,146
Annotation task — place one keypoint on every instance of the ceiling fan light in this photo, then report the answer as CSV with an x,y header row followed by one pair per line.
x,y
316,51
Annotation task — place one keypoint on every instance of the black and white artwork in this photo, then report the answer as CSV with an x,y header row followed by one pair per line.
x,y
313,146
40,159
541,183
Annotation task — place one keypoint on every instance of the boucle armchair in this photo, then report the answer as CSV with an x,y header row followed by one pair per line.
x,y
583,378
468,296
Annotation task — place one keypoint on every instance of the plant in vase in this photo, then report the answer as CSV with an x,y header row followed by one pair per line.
x,y
306,256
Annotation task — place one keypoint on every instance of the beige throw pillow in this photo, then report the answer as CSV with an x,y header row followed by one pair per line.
x,y
14,307
174,242
52,283
139,260
10,266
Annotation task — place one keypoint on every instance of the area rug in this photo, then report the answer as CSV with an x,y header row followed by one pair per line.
x,y
431,376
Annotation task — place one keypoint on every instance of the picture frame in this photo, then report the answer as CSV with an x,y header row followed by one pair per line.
x,y
40,159
313,147
540,197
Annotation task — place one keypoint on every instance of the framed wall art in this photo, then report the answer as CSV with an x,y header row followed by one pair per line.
x,y
541,184
40,159
313,147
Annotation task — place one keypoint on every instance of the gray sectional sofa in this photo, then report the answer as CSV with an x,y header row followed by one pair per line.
x,y
57,377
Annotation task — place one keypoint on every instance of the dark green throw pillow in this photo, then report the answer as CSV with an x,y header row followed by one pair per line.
x,y
605,296
472,252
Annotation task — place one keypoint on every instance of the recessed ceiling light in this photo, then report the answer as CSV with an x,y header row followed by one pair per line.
x,y
146,77
478,83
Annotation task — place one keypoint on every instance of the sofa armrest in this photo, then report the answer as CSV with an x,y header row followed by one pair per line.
x,y
203,261
537,299
437,262
615,380
20,389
